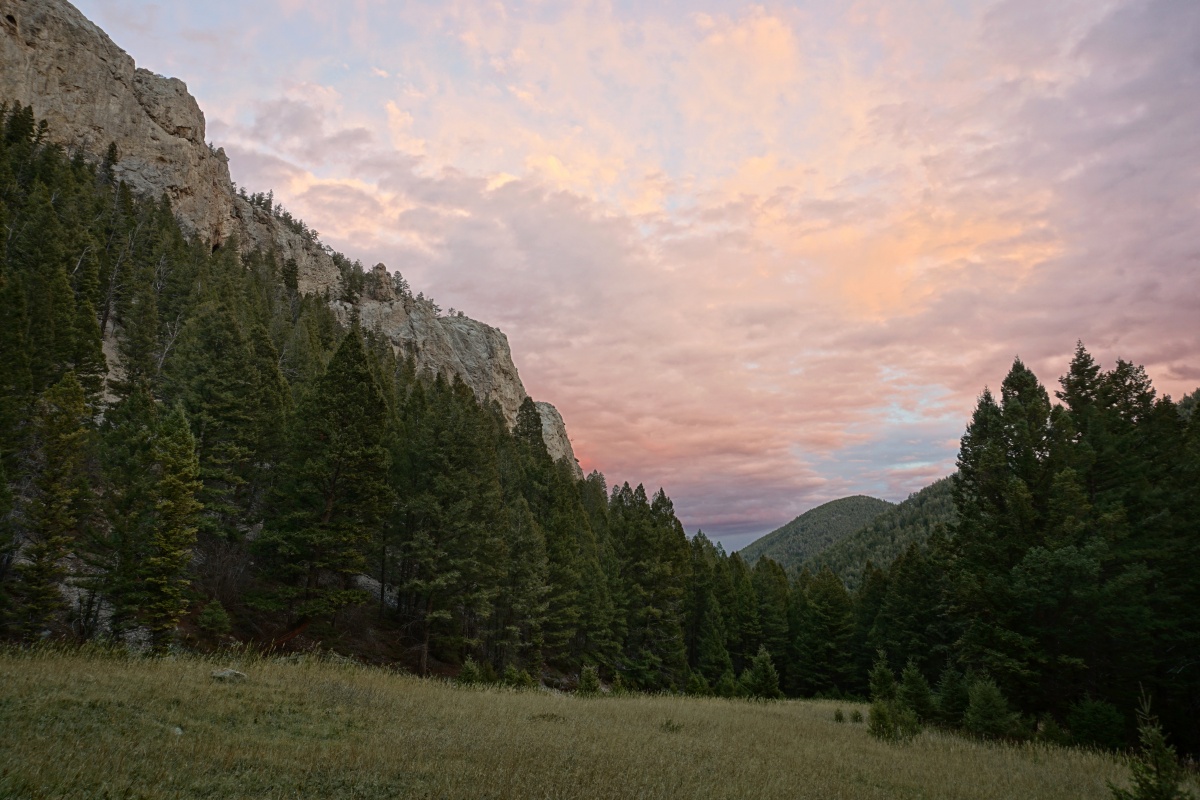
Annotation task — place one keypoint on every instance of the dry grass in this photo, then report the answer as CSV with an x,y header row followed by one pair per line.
x,y
91,724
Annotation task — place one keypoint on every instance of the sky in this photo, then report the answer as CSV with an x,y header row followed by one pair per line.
x,y
761,255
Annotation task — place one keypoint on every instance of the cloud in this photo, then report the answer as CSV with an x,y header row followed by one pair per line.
x,y
759,256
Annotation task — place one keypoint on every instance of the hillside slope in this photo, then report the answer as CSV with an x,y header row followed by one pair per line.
x,y
815,530
885,537
92,94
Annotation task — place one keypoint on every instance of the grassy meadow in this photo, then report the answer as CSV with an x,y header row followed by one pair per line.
x,y
90,724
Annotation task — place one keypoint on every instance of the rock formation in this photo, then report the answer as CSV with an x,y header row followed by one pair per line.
x,y
92,94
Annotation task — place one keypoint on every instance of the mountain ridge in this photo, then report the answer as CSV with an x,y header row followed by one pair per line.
x,y
814,530
92,94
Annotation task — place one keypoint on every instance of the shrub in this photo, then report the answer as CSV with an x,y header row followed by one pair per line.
x,y
1156,773
892,721
953,697
914,692
589,680
1051,732
214,619
838,716
518,678
856,717
618,685
698,686
469,674
987,713
727,686
1096,723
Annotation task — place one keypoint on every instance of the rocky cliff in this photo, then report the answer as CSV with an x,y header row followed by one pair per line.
x,y
92,94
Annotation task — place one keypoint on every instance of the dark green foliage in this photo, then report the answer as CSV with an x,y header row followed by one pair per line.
x,y
176,485
838,716
953,696
892,721
697,686
760,680
814,531
914,692
1095,723
335,493
589,680
58,506
883,680
470,673
518,678
856,717
1156,772
988,715
214,619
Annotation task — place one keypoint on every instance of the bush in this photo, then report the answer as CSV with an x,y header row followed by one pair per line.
x,y
1095,723
698,686
618,685
214,619
856,717
953,697
469,675
838,716
892,721
1156,773
987,713
1051,732
518,678
915,693
589,680
727,686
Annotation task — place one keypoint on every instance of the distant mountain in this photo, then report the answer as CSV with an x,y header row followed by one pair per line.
x,y
885,537
815,530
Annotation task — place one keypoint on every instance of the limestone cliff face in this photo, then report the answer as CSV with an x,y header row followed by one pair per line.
x,y
458,345
92,94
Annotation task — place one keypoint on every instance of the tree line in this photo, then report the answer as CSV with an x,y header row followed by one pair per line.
x,y
191,449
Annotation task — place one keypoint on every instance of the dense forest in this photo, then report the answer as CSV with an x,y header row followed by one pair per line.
x,y
194,454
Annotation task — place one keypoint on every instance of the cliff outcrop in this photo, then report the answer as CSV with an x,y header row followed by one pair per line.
x,y
92,94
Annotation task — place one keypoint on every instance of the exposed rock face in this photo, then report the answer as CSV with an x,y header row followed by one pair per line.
x,y
554,432
458,345
92,94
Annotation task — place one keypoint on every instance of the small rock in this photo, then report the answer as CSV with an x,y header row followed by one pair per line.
x,y
227,675
178,731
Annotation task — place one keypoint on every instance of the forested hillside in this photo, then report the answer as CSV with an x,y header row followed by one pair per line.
x,y
195,455
815,530
883,539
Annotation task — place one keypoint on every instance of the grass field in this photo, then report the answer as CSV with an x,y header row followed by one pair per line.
x,y
96,725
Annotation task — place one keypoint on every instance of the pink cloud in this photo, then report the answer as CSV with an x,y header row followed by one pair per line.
x,y
762,257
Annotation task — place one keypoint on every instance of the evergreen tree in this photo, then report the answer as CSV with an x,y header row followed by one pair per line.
x,y
760,679
58,506
177,470
914,692
336,490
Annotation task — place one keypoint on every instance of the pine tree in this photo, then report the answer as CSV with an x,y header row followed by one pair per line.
x,y
988,714
336,491
59,503
1156,772
760,679
177,471
914,692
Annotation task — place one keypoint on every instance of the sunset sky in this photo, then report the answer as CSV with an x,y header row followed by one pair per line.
x,y
761,255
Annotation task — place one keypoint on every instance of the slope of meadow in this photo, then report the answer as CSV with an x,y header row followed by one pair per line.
x,y
93,724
